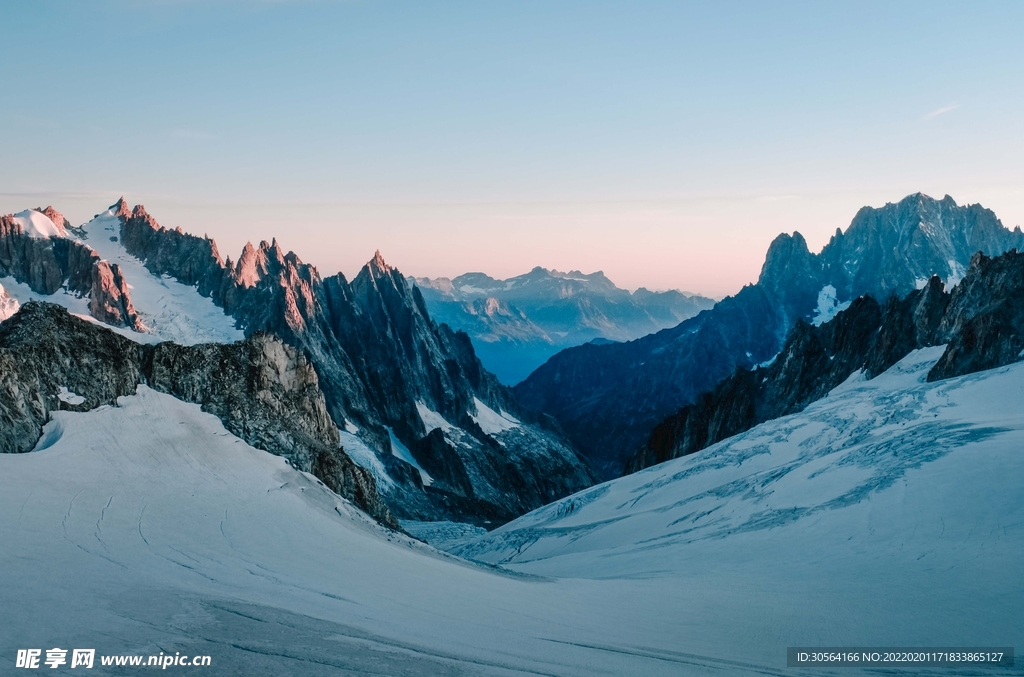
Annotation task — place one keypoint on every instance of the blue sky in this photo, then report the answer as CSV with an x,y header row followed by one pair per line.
x,y
665,143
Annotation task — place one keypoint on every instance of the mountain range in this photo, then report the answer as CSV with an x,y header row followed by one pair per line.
x,y
435,434
225,455
518,323
980,324
608,398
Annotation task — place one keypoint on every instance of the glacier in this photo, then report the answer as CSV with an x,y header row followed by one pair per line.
x,y
887,513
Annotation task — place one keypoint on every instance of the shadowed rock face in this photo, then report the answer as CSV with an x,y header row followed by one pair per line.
x,y
263,390
982,323
985,318
609,397
378,357
109,298
27,259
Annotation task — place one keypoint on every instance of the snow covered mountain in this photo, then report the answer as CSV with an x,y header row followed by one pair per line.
x,y
608,398
144,514
518,323
982,321
441,437
889,513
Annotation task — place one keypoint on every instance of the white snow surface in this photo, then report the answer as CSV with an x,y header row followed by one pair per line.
x,y
443,535
170,310
148,528
956,274
363,456
493,422
432,419
401,451
65,395
890,513
828,306
76,305
8,304
37,225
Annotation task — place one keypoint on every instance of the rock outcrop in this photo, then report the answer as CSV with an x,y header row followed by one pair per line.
x,y
984,322
109,298
609,397
981,321
27,259
263,390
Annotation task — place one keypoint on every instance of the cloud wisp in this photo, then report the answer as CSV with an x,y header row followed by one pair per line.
x,y
940,111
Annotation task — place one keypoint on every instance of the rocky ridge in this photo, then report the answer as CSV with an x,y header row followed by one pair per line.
x,y
608,398
264,391
981,322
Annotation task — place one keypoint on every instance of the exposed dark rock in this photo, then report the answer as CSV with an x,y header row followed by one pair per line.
x,y
109,299
27,259
813,361
440,459
985,317
44,348
264,391
907,324
189,259
605,396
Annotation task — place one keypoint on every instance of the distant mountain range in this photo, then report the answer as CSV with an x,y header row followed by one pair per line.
x,y
518,323
608,398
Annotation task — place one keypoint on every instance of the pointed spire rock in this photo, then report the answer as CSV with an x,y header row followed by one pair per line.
x,y
120,208
57,218
377,263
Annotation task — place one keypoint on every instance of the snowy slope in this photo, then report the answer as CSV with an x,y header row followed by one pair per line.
x,y
889,513
78,306
8,304
147,527
170,310
37,225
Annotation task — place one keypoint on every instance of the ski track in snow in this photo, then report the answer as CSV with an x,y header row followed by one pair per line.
x,y
889,513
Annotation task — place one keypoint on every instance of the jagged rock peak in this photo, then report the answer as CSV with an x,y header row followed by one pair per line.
x,y
251,265
58,219
120,208
783,250
378,265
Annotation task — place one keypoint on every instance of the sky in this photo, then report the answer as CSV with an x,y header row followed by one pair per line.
x,y
665,143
